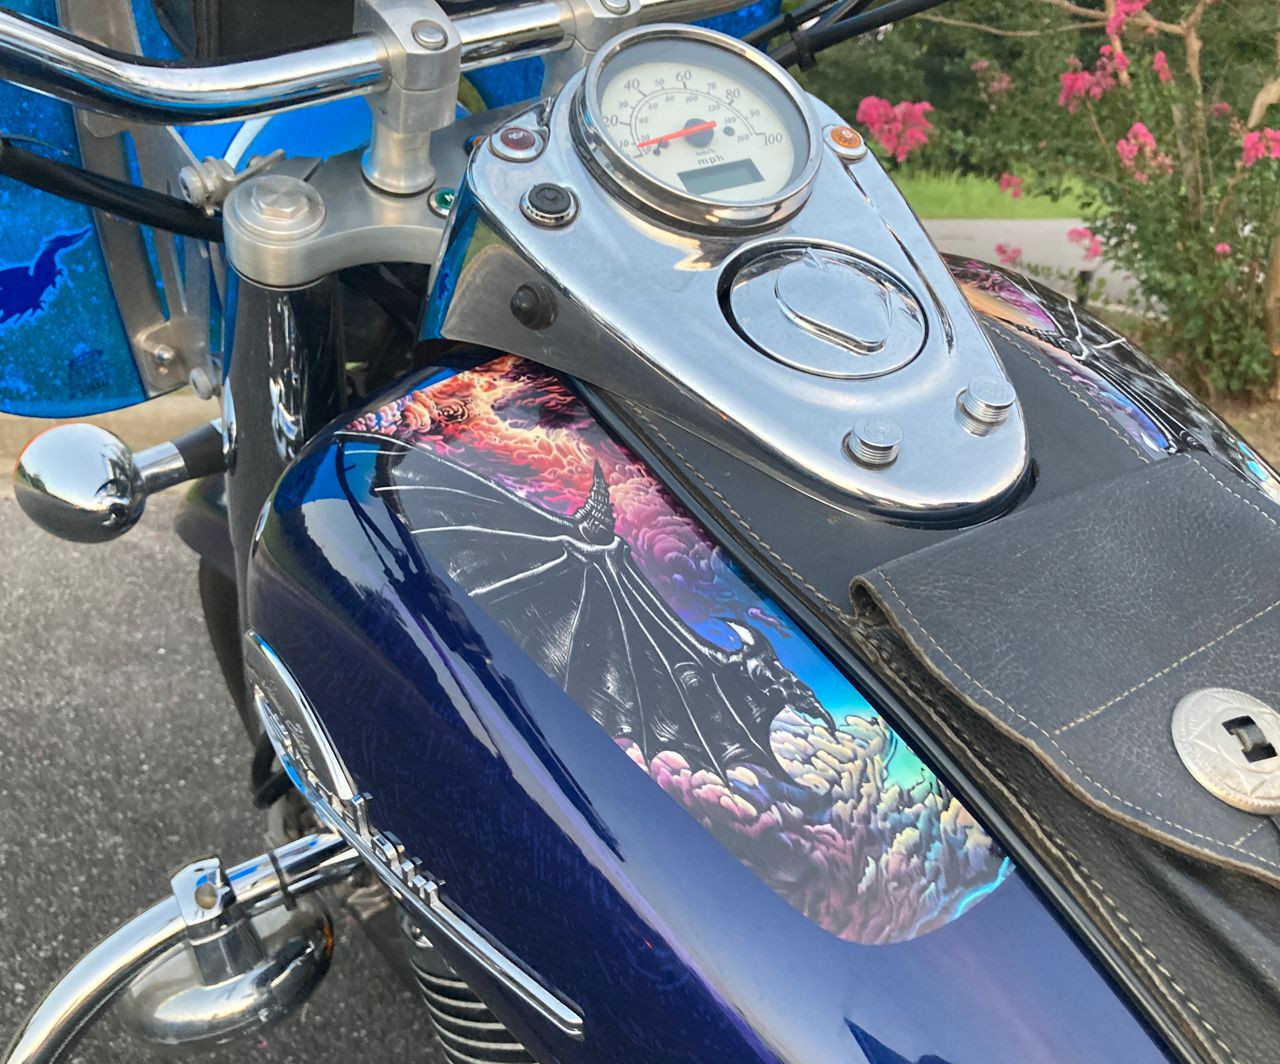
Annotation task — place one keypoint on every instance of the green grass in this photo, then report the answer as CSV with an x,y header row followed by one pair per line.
x,y
968,196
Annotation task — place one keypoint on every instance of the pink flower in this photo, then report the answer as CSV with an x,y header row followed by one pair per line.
x,y
1160,64
1011,184
1075,85
1078,83
1220,110
1001,83
1139,145
1007,255
1125,10
1115,57
1222,249
980,66
899,129
1259,144
1092,244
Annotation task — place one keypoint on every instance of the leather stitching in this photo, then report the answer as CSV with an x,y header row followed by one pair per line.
x,y
1252,505
1093,713
1058,746
1252,831
1027,350
1190,654
790,570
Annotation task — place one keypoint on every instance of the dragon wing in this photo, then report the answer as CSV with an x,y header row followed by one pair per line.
x,y
567,590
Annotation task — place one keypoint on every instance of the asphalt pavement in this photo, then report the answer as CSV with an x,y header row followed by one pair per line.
x,y
1043,246
121,759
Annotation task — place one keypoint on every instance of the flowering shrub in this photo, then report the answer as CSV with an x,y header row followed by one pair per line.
x,y
1091,242
1162,116
900,129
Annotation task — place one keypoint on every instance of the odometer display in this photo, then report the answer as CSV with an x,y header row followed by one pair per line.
x,y
720,176
699,115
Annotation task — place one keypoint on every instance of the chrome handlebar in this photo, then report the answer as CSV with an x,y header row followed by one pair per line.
x,y
81,72
71,69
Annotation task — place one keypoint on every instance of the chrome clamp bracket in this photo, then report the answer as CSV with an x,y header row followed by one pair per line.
x,y
154,943
294,225
424,58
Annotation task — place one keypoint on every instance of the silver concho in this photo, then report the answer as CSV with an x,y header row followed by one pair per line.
x,y
1230,742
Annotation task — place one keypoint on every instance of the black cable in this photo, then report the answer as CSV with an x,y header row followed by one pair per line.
x,y
267,787
120,198
264,760
843,9
820,38
768,30
397,302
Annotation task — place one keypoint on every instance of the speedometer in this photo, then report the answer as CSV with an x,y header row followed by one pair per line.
x,y
698,126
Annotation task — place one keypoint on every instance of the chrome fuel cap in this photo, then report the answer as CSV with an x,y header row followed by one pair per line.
x,y
827,311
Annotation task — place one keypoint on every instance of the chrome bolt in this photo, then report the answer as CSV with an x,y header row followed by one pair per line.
x,y
431,35
276,206
163,356
205,184
874,441
988,400
206,896
616,7
278,199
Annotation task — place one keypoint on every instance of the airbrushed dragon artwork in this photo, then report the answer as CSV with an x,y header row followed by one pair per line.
x,y
588,561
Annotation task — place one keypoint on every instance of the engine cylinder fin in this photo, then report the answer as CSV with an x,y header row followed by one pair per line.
x,y
469,1033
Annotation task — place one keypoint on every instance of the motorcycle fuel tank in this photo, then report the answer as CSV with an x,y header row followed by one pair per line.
x,y
637,807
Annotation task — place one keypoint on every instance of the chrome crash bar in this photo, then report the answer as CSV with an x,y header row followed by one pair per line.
x,y
270,879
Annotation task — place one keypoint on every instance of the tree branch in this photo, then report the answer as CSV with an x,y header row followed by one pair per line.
x,y
1269,93
1093,15
994,31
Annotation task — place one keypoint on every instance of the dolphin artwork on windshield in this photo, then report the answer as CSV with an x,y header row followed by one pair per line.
x,y
26,288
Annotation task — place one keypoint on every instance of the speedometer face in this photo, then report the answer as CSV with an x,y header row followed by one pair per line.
x,y
701,116
700,129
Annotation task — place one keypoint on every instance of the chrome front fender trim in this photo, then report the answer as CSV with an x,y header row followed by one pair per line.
x,y
55,1025
316,769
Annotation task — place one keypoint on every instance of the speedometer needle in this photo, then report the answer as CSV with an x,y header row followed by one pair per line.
x,y
701,127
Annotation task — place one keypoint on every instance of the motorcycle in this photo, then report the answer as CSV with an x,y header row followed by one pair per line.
x,y
677,613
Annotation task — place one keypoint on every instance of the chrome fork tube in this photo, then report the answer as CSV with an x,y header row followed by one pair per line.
x,y
61,1018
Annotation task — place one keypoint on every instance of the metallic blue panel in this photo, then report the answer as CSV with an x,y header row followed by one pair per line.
x,y
63,348
512,82
508,82
548,836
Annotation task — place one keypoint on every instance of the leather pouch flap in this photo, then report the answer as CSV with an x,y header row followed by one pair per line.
x,y
1078,625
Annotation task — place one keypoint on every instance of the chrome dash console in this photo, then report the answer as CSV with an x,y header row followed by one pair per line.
x,y
728,263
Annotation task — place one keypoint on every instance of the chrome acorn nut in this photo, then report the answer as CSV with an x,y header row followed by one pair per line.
x,y
81,483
